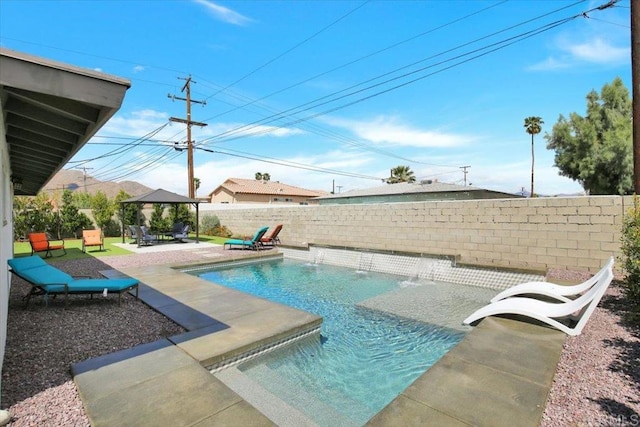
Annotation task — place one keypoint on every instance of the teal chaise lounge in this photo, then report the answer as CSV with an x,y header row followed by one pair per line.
x,y
254,243
47,280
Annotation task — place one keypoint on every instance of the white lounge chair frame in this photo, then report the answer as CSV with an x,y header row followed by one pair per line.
x,y
579,309
552,290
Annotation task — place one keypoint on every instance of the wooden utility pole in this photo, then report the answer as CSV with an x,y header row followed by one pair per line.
x,y
635,81
187,90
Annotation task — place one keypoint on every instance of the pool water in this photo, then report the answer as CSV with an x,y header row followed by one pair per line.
x,y
363,359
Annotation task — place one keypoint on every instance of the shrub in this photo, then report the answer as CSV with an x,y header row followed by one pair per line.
x,y
222,231
631,255
111,229
208,223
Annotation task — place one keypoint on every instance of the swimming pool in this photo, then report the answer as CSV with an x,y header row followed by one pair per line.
x,y
364,357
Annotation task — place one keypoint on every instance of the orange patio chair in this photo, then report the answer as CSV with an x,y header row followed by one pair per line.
x,y
273,238
40,242
92,238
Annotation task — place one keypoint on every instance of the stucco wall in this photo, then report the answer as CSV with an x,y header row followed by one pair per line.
x,y
6,236
577,233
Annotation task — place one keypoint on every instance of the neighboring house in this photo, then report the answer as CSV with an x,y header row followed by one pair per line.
x,y
413,192
48,111
238,190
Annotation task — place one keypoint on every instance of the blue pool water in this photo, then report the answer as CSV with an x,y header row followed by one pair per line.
x,y
363,359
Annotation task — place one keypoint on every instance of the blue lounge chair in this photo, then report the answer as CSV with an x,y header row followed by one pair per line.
x,y
254,243
47,280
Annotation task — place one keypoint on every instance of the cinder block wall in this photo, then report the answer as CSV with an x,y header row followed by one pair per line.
x,y
576,233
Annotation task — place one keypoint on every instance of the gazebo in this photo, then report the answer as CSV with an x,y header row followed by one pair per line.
x,y
160,196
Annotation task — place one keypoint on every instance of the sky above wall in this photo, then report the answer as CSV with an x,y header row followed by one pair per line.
x,y
330,95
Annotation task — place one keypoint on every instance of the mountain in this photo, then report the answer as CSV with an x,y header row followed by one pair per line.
x,y
74,180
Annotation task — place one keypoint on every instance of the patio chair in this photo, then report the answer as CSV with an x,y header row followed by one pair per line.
x,y
147,238
178,227
182,234
575,311
47,280
272,239
253,243
92,238
40,242
133,233
552,290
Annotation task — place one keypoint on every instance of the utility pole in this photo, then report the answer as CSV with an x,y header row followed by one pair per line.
x,y
84,169
464,171
187,90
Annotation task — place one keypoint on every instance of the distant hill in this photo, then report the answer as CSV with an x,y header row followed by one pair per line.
x,y
73,179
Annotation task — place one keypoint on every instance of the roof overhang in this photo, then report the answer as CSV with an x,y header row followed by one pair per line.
x,y
51,110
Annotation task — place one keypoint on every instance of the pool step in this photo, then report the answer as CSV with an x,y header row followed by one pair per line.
x,y
415,301
275,404
277,410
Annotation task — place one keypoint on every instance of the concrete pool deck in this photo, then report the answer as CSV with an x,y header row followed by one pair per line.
x,y
500,372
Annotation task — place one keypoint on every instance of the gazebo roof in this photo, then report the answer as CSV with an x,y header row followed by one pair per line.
x,y
160,196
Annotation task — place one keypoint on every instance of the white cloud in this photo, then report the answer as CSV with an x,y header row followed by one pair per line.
x,y
139,68
390,131
593,51
598,51
136,124
224,14
237,130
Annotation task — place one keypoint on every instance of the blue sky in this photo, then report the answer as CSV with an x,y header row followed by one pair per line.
x,y
351,88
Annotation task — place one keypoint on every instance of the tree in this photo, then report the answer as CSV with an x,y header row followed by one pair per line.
x,y
158,222
33,214
596,150
102,209
533,126
262,176
196,185
180,212
72,219
258,176
130,210
401,174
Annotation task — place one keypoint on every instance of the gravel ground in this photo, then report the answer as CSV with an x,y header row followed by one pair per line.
x,y
597,382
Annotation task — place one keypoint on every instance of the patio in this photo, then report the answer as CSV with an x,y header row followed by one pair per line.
x,y
88,336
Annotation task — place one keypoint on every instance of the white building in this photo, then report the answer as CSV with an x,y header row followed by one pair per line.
x,y
48,111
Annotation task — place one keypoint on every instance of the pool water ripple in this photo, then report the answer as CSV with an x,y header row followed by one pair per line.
x,y
364,357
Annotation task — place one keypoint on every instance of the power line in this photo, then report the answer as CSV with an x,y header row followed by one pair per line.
x,y
297,45
264,159
358,59
334,96
314,104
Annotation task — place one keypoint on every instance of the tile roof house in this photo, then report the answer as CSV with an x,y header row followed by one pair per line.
x,y
239,190
414,192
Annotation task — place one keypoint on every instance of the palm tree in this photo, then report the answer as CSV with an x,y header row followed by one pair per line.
x,y
533,126
266,177
258,176
401,174
196,185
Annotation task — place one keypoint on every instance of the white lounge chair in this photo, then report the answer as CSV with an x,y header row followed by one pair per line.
x,y
578,310
552,290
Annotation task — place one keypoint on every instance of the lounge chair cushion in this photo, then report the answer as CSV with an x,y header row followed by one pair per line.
x,y
48,280
45,275
26,262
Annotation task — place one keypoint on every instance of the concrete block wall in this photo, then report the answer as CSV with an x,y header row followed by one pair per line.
x,y
575,233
